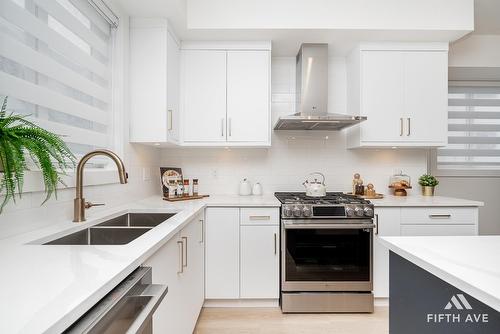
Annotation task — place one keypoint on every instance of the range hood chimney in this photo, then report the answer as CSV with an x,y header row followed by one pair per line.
x,y
312,94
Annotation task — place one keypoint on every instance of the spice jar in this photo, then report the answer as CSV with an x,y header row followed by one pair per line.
x,y
180,190
186,187
195,187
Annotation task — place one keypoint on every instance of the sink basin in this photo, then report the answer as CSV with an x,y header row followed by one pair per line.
x,y
115,231
101,236
144,219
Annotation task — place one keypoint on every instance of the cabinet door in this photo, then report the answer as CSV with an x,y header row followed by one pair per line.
x,y
192,285
222,253
248,116
259,269
166,264
388,222
382,98
173,92
148,84
426,96
204,95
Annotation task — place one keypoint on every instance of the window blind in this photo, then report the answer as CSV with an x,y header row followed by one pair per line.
x,y
473,130
55,66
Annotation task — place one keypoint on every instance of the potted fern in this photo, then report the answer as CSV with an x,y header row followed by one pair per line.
x,y
428,183
21,140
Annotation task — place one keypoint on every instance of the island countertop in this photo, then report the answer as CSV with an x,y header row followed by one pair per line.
x,y
469,263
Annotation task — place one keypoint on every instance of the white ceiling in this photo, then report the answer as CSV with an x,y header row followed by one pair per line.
x,y
286,42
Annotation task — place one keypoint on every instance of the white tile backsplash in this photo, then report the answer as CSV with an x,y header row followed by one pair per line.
x,y
294,154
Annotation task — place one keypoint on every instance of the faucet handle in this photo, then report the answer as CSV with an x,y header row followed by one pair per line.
x,y
88,205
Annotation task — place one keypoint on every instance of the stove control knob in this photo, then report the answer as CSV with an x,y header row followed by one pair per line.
x,y
358,211
368,211
349,211
297,212
287,211
306,211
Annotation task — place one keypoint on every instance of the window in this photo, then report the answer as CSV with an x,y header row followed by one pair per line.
x,y
55,66
473,130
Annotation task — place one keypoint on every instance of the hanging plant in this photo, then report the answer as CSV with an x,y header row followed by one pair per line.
x,y
20,140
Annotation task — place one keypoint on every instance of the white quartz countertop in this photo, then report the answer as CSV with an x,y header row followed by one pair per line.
x,y
469,263
423,201
45,288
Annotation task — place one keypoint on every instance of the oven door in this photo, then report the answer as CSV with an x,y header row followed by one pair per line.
x,y
331,255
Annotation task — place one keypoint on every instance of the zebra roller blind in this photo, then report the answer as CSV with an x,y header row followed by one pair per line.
x,y
473,130
55,66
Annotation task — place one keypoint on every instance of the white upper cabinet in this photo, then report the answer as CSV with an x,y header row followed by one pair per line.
x,y
248,117
204,97
403,90
154,82
226,94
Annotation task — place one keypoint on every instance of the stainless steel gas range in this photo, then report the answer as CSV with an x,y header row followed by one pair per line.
x,y
326,253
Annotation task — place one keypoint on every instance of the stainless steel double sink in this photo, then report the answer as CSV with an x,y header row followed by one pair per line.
x,y
115,231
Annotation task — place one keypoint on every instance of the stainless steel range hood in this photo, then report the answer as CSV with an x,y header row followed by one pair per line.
x,y
312,94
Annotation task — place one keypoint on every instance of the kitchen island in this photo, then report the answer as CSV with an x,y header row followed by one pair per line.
x,y
442,284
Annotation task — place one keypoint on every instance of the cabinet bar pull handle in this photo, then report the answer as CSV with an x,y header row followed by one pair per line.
x,y
409,127
401,127
260,217
440,216
181,257
202,239
275,247
186,247
170,119
376,224
230,127
222,127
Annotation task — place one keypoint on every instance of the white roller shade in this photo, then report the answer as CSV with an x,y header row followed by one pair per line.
x,y
55,66
473,131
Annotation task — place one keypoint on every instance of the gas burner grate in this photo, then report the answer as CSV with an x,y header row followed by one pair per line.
x,y
332,198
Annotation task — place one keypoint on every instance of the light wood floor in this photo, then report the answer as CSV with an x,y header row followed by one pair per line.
x,y
272,321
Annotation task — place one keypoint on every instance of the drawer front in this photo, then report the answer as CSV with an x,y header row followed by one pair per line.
x,y
439,216
436,230
259,216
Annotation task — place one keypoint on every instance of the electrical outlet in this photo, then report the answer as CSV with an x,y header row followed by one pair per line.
x,y
214,173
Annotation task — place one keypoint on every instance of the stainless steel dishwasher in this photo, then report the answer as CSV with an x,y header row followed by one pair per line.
x,y
128,308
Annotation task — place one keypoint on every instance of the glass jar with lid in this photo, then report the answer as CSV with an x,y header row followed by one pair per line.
x,y
399,182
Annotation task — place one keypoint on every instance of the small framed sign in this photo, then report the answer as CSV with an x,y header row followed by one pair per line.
x,y
171,179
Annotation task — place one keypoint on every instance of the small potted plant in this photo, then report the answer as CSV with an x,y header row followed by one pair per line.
x,y
21,141
428,183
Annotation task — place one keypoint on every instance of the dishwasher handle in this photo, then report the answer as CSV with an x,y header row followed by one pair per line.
x,y
132,301
157,292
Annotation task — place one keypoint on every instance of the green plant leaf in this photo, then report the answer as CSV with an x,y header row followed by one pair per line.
x,y
20,138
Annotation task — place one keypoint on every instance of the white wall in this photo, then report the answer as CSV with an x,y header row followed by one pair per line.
x,y
293,155
476,51
27,214
331,14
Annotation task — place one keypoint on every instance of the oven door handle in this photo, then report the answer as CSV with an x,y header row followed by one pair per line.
x,y
328,226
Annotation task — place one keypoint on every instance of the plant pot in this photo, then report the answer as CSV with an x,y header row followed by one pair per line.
x,y
427,191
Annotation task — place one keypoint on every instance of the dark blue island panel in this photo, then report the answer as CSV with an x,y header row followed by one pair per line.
x,y
422,303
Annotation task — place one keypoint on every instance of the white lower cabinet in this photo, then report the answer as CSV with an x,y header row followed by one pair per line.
x,y
415,221
179,265
242,253
222,253
259,259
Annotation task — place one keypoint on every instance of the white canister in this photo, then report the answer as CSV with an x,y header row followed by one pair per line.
x,y
245,188
257,189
